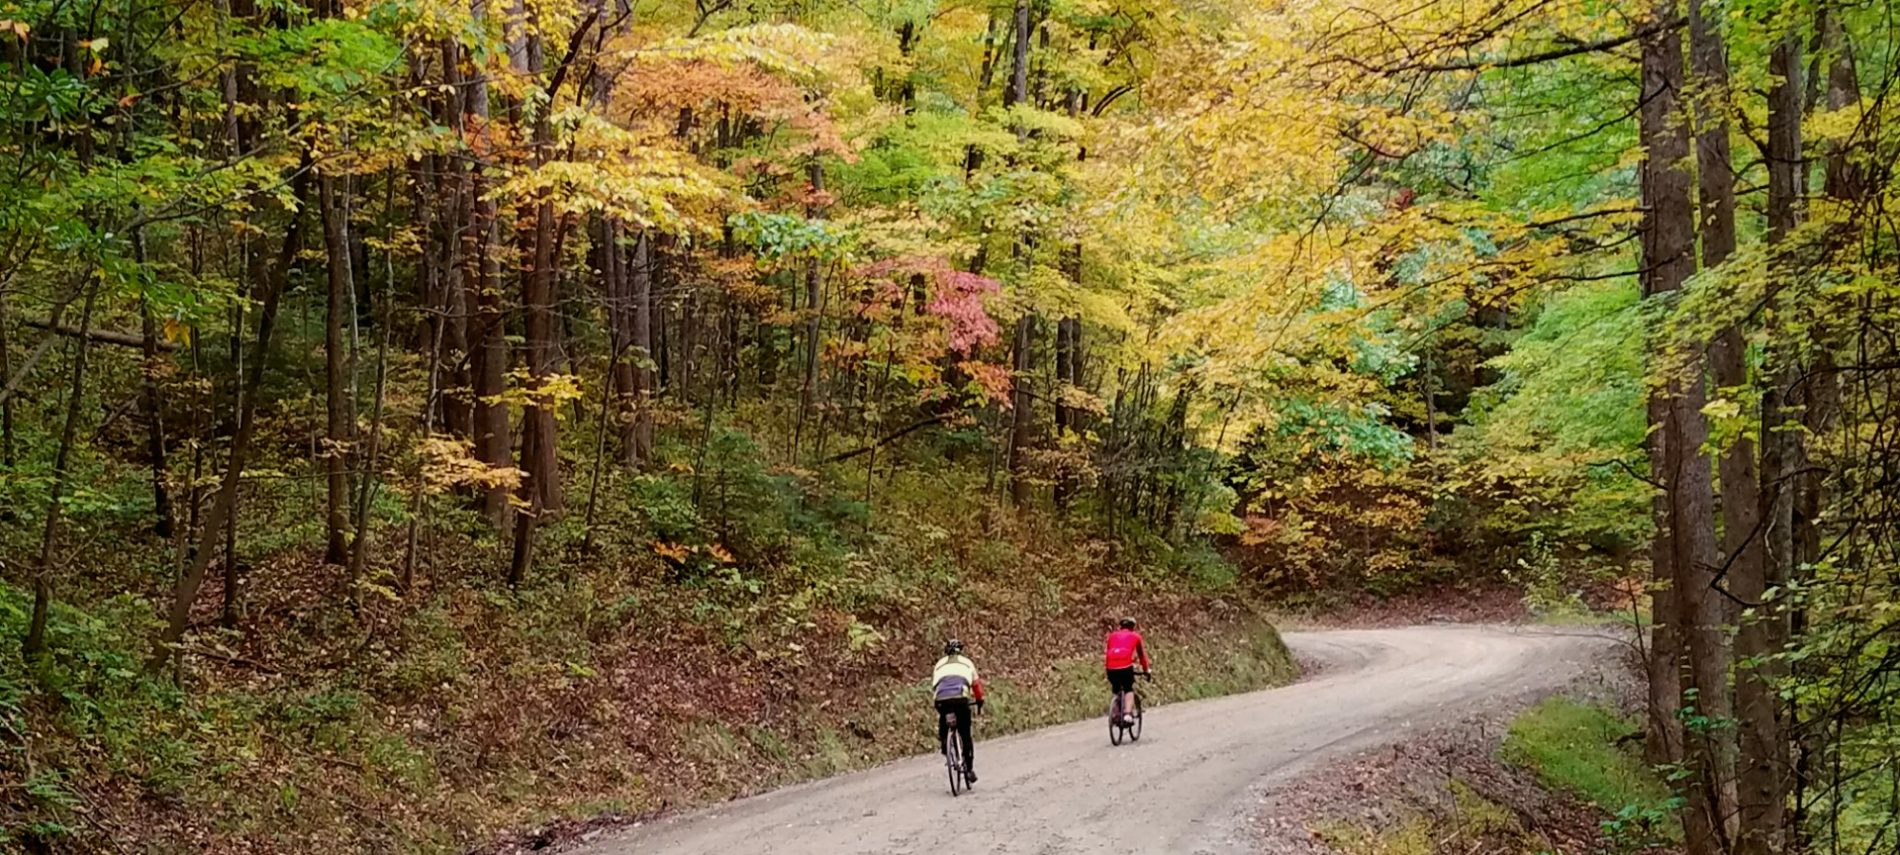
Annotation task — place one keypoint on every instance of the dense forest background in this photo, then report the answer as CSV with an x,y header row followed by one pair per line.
x,y
425,418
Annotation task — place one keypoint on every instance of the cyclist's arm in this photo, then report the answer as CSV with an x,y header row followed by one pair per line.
x,y
1141,651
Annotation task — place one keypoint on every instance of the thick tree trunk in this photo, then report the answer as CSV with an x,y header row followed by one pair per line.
x,y
1018,90
1845,180
494,441
1742,554
1668,250
1664,745
339,437
1764,772
1020,411
540,441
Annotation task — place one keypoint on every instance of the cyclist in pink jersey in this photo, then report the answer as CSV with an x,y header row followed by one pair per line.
x,y
1123,651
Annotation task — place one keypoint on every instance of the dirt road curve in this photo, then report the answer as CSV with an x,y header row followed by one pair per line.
x,y
1187,787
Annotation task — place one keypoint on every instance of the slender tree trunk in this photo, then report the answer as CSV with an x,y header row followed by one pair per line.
x,y
814,309
35,643
1019,421
452,208
1020,412
339,438
366,492
6,374
223,506
149,370
642,353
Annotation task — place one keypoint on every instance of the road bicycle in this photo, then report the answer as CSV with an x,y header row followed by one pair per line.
x,y
953,753
1125,727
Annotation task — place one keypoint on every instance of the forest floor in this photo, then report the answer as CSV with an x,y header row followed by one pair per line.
x,y
465,716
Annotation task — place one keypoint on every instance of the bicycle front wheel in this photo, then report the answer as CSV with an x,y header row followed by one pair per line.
x,y
953,762
1134,730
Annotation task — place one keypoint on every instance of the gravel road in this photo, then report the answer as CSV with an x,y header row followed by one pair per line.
x,y
1188,786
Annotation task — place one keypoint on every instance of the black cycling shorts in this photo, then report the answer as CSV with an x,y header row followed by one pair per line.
x,y
1122,679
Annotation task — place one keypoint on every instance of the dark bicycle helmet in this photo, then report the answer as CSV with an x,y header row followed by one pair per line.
x,y
952,647
1128,623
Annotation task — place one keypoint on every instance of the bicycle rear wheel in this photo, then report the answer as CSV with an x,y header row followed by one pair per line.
x,y
1115,728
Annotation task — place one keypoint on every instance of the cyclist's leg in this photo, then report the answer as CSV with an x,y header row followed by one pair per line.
x,y
1122,680
943,727
963,734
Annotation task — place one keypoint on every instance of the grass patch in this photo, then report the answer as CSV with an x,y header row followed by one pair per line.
x,y
1574,747
1579,749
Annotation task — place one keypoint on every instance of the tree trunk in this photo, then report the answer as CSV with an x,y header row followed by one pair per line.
x,y
1763,771
1741,552
1019,45
488,369
541,487
814,309
1845,180
642,354
1019,421
339,437
1664,745
366,493
149,400
1668,256
223,506
6,374
35,643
